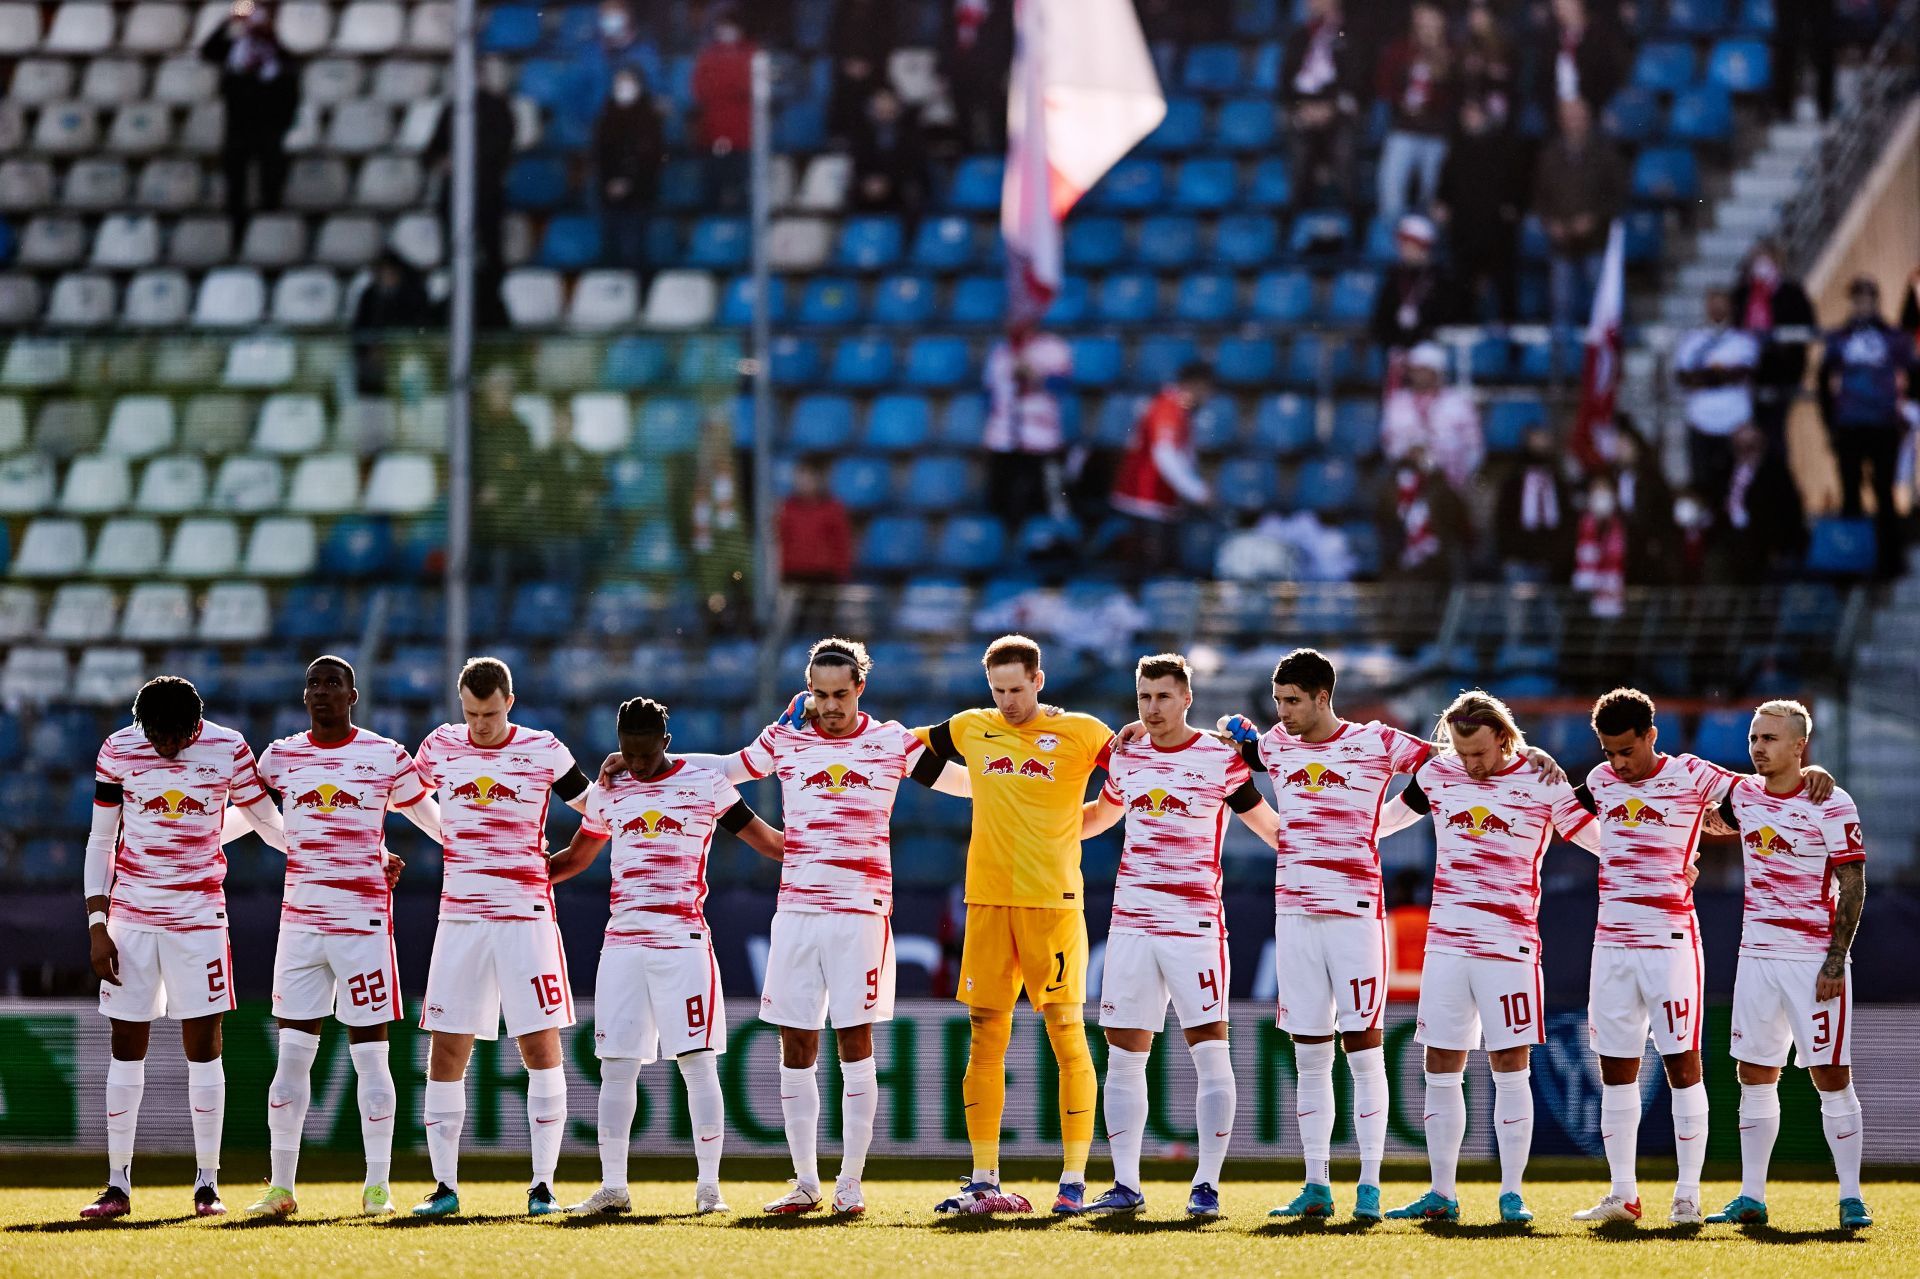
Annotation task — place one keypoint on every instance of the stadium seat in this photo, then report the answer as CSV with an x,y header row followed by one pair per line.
x,y
19,29
870,243
1284,425
964,422
1159,358
291,425
893,544
81,302
81,614
96,484
1168,241
1320,231
1840,548
306,299
938,362
157,299
1696,17
1136,185
19,299
204,548
1216,425
357,547
1098,362
821,424
976,185
127,242
233,297
389,182
1508,421
1245,125
99,184
1245,361
140,425
1741,66
108,676
938,484
171,486
126,547
1205,298
1356,429
864,483
25,184
945,244
247,485
1246,240
1633,115
718,244
324,484
1128,297
1271,186
1663,66
971,544
862,363
571,243
829,302
1247,484
532,297
406,483
796,361
899,424
736,304
681,300
903,301
80,28
52,241
1327,485
1666,175
1212,69
978,301
603,300
1181,130
157,613
1702,113
235,613
67,427
1207,183
1282,297
281,547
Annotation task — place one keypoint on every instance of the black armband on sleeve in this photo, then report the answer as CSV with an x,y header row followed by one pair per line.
x,y
940,742
1250,755
1415,798
738,818
1585,797
569,787
1726,812
1245,799
109,794
927,769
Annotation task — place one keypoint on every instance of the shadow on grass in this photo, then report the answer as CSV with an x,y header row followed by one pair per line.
x,y
792,1221
111,1223
1774,1234
1477,1229
406,1222
1135,1225
599,1219
986,1222
1289,1226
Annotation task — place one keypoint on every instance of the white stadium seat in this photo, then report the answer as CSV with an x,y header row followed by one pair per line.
x,y
214,425
41,80
236,613
206,126
155,27
602,421
259,362
370,26
348,241
140,426
603,300
526,124
532,297
389,182
824,189
210,14
248,485
360,127
127,242
799,244
291,425
34,675
19,28
316,182
234,297
430,27
66,428
25,185
114,81
307,298
200,242
51,548
82,614
404,81
127,547
96,484
517,240
402,484
37,361
274,240
309,123
19,614
329,80
157,613
681,300
185,80
100,182
13,425
80,28
26,484
108,676
417,237
82,301
324,484
304,26
13,125
141,129
187,362
172,486
915,74
204,547
53,241
417,126
281,547
169,186
157,300
19,300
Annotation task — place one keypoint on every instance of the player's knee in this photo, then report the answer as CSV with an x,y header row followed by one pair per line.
x,y
619,1069
992,1032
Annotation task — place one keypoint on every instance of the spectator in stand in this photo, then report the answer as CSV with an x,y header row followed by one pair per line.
x,y
1760,532
1317,80
1802,28
1771,307
1579,188
1411,299
629,148
1423,524
1910,312
1487,69
493,155
976,49
1714,364
260,88
394,301
619,44
723,106
889,158
1581,57
816,543
1863,378
1023,438
1534,513
1646,501
1480,202
1437,420
860,42
1159,472
1415,79
1600,551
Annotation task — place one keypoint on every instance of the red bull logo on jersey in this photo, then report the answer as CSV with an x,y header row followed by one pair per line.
x,y
1766,841
1159,803
484,791
1042,769
652,825
173,805
1007,766
1315,778
1636,813
837,779
328,798
1478,821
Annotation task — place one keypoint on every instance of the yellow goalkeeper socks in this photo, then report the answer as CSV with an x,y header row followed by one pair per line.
x,y
984,1088
1079,1088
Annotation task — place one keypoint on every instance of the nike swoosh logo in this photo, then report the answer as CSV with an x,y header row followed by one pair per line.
x,y
1842,1136
554,1120
1428,1116
1076,1112
207,1111
709,1139
789,1096
1056,986
1748,1127
433,1123
1227,1133
115,1114
1606,1136
856,1094
378,1119
1513,1121
1370,1114
278,1105
970,1105
1302,1114
1210,1007
993,734
1112,1135
1695,1137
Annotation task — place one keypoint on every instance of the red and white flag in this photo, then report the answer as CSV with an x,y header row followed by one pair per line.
x,y
1592,438
1083,92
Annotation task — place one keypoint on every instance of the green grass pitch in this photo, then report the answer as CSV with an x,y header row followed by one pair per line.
x,y
899,1237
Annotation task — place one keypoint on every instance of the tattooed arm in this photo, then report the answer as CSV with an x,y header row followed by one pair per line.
x,y
1851,878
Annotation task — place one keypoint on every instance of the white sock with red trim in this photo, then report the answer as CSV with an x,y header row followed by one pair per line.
x,y
1313,1108
1446,1124
445,1114
1126,1103
1214,1101
1759,1129
706,1106
126,1082
1620,1134
1369,1070
1840,1117
1689,1138
372,1063
288,1097
207,1096
1513,1125
619,1100
547,1120
859,1105
800,1108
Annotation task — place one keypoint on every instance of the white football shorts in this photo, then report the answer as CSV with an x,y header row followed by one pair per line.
x,y
1144,970
1634,990
1773,1006
821,964
484,968
1467,1002
181,975
351,976
654,1001
1331,971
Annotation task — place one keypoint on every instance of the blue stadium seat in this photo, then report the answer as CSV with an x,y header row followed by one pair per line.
x,y
311,613
1350,301
1841,548
1245,361
64,737
1264,75
1703,113
1257,19
1664,66
636,484
870,243
1534,245
1328,485
543,611
801,125
736,302
1508,422
1381,246
1245,125
964,423
1128,297
1321,231
821,423
1756,15
537,182
1633,115
971,544
1666,175
357,546
1489,357
976,184
899,424
1207,183
1363,539
1356,429
1696,17
1043,535
1246,239
655,551
862,363
829,302
1741,66
683,186
1160,357
1283,297
718,244
978,300
903,301
666,426
863,483
1097,362
795,361
511,28
1721,737
415,615
1071,305
938,484
1182,130
1212,68
1216,425
938,362
1136,184
1645,235
1168,241
1272,184
943,244
1313,357
1094,242
1247,484
42,861
1284,425
1205,297
551,82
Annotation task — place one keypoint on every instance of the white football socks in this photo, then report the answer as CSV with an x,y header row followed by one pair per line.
x,y
1446,1123
1840,1117
444,1117
378,1100
546,1120
800,1108
126,1082
1759,1129
207,1096
619,1100
859,1104
1214,1102
706,1106
1689,1138
1314,1108
1620,1135
1126,1104
1369,1070
1513,1125
288,1097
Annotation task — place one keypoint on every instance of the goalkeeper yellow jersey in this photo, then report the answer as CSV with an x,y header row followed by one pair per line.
x,y
1028,785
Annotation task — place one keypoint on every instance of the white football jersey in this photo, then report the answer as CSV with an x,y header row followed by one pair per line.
x,y
662,830
493,813
1649,836
1175,801
1790,846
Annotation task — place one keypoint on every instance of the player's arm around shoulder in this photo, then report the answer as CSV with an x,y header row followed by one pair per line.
x,y
768,841
587,841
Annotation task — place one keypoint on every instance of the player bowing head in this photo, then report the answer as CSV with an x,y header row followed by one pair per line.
x,y
1623,721
1480,730
168,708
836,676
1303,694
486,696
1014,677
644,738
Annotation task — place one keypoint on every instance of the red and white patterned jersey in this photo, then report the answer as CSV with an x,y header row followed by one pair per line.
x,y
1649,836
1175,799
1328,795
168,870
493,814
335,800
662,829
1489,838
837,798
1791,846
